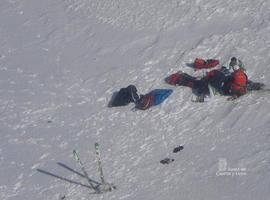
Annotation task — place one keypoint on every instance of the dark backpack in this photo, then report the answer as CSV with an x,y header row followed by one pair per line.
x,y
124,96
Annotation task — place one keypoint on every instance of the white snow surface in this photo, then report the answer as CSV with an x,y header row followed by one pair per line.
x,y
60,63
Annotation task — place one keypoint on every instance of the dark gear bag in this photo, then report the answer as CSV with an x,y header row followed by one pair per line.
x,y
124,96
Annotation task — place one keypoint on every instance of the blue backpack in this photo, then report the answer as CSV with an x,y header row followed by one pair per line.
x,y
160,95
153,98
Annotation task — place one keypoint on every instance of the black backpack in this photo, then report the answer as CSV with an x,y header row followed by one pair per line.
x,y
124,96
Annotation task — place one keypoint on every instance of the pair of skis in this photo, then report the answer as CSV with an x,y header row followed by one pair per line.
x,y
98,188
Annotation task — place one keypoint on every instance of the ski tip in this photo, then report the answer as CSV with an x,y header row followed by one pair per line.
x,y
75,155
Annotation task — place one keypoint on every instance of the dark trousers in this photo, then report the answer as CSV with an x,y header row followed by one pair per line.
x,y
199,86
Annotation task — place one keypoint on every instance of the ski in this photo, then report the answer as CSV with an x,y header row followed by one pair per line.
x,y
100,187
78,160
99,163
104,186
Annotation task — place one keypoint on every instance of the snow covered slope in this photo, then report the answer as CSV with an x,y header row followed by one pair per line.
x,y
60,63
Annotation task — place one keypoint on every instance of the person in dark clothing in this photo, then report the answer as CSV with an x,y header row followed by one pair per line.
x,y
199,85
222,80
233,84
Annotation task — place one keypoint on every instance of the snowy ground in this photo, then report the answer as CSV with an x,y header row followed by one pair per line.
x,y
60,62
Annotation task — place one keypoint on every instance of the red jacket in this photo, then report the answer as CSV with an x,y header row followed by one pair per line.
x,y
239,83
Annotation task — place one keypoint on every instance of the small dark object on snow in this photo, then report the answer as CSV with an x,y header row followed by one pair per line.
x,y
177,149
166,160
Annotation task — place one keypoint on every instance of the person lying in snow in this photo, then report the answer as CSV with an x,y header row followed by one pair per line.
x,y
129,94
225,82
